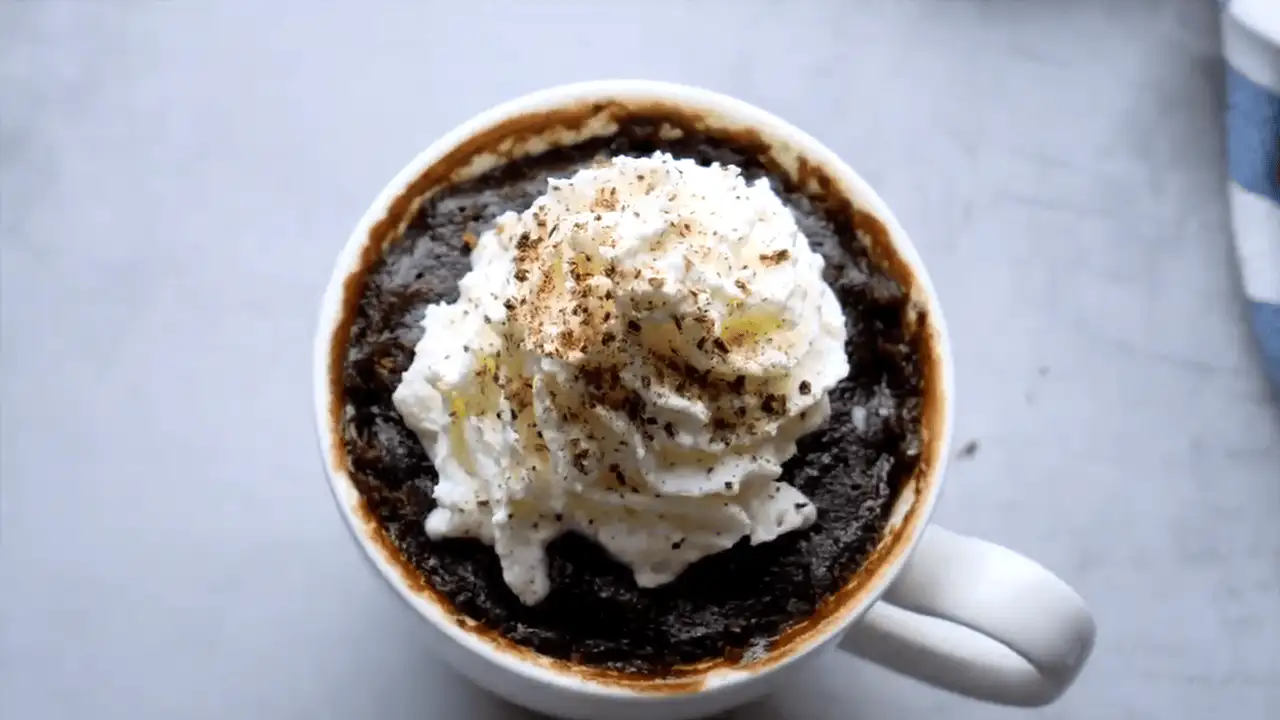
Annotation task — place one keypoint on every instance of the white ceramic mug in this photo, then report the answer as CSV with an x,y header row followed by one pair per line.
x,y
957,612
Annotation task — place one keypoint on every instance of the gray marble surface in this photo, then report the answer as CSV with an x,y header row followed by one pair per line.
x,y
176,177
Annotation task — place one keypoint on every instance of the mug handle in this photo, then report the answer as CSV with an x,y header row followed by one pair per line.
x,y
977,619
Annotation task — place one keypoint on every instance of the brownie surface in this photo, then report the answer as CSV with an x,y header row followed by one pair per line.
x,y
724,605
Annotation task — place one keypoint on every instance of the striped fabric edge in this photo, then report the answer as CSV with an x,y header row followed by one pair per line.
x,y
1251,45
1256,228
1266,326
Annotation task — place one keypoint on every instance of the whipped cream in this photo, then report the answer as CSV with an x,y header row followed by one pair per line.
x,y
632,358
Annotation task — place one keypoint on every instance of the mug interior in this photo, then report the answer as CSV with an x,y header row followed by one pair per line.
x,y
565,116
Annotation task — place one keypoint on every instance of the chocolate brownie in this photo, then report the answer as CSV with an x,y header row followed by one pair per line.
x,y
733,602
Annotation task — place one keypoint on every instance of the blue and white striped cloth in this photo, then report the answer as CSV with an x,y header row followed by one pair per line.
x,y
1251,44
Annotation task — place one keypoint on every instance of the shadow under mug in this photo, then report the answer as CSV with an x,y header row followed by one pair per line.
x,y
953,611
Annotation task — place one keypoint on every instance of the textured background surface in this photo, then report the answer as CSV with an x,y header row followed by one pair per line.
x,y
176,178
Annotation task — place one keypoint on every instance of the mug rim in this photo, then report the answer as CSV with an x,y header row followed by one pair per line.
x,y
871,579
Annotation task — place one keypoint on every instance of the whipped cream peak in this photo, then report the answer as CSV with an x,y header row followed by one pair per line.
x,y
632,358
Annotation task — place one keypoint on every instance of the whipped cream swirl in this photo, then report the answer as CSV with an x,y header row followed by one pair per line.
x,y
632,358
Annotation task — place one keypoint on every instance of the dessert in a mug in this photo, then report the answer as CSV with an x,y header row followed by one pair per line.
x,y
639,402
